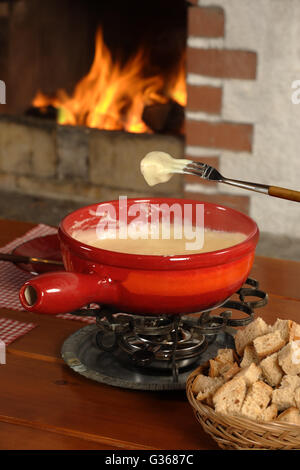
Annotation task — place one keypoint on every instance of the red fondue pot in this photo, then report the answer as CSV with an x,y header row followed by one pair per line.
x,y
143,284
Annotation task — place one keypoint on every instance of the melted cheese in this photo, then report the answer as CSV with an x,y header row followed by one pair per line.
x,y
159,167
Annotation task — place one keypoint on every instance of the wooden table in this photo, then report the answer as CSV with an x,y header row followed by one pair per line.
x,y
45,405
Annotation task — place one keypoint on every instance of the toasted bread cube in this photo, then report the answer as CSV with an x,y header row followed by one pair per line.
x,y
271,370
288,358
226,355
296,332
234,369
214,368
257,400
229,398
291,416
245,337
292,381
270,413
286,329
203,387
283,398
251,373
221,363
297,397
249,356
268,344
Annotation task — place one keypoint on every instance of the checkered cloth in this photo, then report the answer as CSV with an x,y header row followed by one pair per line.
x,y
70,316
10,330
12,278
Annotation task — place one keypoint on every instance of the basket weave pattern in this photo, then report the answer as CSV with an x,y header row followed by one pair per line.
x,y
232,432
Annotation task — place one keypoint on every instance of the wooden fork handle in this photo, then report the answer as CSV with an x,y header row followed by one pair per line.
x,y
284,193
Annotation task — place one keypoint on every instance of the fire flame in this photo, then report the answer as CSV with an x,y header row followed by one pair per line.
x,y
112,96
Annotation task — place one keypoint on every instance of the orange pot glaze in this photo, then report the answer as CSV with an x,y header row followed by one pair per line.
x,y
144,284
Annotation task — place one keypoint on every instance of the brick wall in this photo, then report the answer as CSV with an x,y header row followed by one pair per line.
x,y
208,134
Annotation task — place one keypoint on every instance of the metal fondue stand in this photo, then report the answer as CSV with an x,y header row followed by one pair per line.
x,y
155,352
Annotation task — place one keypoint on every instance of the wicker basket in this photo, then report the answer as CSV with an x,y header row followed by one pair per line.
x,y
240,433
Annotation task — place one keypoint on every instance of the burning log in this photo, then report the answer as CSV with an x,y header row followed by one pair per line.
x,y
112,95
165,118
47,112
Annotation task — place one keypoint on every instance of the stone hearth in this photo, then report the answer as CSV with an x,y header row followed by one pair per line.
x,y
40,158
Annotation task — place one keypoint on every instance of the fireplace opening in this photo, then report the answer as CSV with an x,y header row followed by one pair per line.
x,y
118,96
107,65
91,87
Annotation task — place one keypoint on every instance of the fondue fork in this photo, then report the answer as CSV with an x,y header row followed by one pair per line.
x,y
27,259
209,173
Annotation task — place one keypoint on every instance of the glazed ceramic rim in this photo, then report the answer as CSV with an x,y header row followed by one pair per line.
x,y
151,262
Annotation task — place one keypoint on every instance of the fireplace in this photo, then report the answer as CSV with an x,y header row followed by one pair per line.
x,y
229,118
91,88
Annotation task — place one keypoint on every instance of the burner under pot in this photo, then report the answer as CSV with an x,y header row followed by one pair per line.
x,y
161,351
156,352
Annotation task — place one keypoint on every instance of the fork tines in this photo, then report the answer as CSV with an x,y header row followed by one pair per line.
x,y
203,170
198,169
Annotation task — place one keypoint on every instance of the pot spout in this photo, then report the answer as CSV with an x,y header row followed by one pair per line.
x,y
64,292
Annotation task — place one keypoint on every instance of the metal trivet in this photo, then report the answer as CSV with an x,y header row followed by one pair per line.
x,y
156,352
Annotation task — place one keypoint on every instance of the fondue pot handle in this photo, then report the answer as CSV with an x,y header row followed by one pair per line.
x,y
64,292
